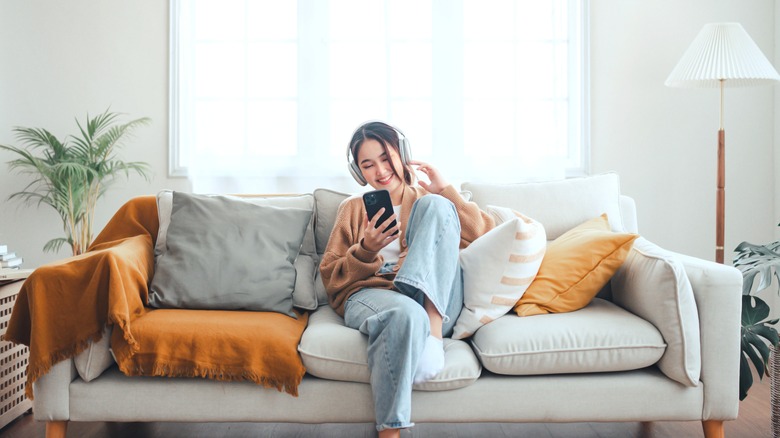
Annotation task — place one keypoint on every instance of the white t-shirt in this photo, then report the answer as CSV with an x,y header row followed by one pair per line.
x,y
393,250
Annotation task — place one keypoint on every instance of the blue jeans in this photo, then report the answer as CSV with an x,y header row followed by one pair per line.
x,y
396,322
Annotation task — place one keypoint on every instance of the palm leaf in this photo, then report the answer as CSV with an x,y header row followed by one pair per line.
x,y
54,245
71,176
36,138
112,137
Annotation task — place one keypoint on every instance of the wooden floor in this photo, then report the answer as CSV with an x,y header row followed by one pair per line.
x,y
753,422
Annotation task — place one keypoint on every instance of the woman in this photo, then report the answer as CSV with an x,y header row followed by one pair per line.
x,y
403,290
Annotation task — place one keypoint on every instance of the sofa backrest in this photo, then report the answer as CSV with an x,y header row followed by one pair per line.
x,y
561,205
558,205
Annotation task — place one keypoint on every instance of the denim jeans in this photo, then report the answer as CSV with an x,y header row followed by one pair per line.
x,y
396,323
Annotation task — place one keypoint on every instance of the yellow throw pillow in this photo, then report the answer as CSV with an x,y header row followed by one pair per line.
x,y
575,268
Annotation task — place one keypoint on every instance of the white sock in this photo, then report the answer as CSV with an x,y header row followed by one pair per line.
x,y
432,360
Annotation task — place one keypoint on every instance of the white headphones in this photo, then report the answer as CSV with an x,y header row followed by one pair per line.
x,y
403,149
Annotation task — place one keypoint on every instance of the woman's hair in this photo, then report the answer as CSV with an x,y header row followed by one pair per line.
x,y
387,136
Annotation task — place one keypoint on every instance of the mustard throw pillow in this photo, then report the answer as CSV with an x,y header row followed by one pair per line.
x,y
575,268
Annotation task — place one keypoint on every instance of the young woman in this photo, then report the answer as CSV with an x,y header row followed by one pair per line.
x,y
403,290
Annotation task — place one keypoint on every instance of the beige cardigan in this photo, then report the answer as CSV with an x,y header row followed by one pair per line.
x,y
347,266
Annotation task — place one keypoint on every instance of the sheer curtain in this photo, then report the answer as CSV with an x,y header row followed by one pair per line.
x,y
266,94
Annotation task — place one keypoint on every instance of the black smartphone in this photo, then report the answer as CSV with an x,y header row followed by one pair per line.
x,y
374,201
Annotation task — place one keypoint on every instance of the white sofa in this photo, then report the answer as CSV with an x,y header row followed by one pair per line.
x,y
607,362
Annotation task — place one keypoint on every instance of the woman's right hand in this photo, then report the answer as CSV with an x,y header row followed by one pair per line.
x,y
374,239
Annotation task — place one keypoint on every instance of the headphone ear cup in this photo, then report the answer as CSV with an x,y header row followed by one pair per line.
x,y
356,173
405,151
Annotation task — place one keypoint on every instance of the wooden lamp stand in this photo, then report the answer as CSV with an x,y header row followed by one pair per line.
x,y
720,194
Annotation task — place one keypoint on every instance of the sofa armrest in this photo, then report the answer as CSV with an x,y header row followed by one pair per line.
x,y
696,305
717,289
52,392
652,283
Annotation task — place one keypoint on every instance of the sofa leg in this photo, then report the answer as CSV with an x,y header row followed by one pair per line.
x,y
56,429
713,429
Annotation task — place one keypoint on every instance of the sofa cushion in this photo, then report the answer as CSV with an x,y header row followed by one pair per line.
x,y
327,202
598,338
222,253
225,345
558,205
498,267
331,350
97,358
304,294
575,268
652,284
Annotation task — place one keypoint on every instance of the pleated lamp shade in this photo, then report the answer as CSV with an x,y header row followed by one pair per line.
x,y
722,51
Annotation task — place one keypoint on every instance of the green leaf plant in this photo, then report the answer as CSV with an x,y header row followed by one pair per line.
x,y
70,176
757,263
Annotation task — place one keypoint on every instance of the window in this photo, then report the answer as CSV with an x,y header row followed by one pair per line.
x,y
484,89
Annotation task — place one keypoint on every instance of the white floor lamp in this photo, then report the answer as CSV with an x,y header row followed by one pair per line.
x,y
722,55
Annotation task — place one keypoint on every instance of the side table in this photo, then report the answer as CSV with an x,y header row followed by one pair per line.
x,y
13,360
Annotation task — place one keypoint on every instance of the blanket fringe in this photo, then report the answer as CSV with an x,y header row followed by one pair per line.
x,y
161,369
123,325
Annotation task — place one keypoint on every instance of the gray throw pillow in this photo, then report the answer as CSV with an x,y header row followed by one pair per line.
x,y
304,295
227,254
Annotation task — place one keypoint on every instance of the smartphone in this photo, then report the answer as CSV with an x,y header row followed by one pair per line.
x,y
374,201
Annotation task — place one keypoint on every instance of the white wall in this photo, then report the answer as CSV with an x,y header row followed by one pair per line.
x,y
776,197
63,59
663,140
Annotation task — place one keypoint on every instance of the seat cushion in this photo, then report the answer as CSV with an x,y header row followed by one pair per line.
x,y
224,345
598,338
331,350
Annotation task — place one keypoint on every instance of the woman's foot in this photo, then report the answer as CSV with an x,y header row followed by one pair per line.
x,y
431,361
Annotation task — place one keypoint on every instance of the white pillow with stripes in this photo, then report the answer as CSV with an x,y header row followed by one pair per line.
x,y
498,268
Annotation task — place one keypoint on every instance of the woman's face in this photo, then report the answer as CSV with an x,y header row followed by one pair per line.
x,y
376,168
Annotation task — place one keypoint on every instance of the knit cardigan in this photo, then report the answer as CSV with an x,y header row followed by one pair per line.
x,y
348,267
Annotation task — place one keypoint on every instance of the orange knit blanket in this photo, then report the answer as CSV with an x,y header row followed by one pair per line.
x,y
63,306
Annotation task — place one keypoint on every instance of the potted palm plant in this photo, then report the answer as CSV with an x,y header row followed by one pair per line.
x,y
757,263
71,175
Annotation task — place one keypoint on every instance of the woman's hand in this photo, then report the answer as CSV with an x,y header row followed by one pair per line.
x,y
437,184
374,239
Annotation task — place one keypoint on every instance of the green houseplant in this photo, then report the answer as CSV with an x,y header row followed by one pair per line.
x,y
757,262
71,175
